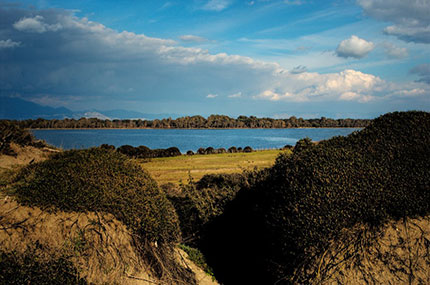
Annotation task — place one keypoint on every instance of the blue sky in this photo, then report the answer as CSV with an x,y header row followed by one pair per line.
x,y
264,57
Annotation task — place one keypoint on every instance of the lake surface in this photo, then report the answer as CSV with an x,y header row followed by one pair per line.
x,y
186,139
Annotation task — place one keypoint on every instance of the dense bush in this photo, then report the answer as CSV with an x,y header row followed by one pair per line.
x,y
201,151
210,150
247,149
200,202
232,149
28,268
145,152
100,180
287,218
190,152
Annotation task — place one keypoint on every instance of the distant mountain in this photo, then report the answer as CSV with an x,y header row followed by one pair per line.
x,y
125,114
18,109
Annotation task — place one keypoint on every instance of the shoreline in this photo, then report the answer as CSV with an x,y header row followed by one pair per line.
x,y
194,128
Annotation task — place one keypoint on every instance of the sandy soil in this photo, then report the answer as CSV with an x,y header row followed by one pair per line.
x,y
397,254
25,156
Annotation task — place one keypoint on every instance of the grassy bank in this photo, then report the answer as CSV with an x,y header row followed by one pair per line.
x,y
176,169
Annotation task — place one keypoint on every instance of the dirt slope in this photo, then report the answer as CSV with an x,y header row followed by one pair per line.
x,y
399,253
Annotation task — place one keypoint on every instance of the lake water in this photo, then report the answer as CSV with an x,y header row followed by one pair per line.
x,y
186,139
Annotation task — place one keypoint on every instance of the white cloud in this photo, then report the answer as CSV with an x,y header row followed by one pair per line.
x,y
354,47
286,96
35,25
235,95
216,5
395,52
9,44
348,85
411,18
192,38
128,67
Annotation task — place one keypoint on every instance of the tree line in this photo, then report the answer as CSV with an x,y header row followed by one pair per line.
x,y
195,122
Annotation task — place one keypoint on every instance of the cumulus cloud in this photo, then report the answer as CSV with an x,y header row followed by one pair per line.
x,y
411,18
100,67
192,38
423,71
9,44
35,24
395,52
354,47
348,85
216,5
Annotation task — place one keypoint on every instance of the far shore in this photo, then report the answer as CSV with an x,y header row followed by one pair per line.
x,y
194,128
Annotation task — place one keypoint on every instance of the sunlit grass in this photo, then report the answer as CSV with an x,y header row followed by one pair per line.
x,y
179,168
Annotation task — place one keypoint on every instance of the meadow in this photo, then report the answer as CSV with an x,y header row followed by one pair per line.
x,y
180,168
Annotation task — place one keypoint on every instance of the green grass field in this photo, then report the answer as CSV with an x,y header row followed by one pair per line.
x,y
176,169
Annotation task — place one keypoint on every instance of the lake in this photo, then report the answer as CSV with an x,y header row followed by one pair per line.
x,y
186,139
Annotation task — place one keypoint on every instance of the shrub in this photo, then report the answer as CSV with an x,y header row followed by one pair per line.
x,y
202,201
201,151
173,151
239,149
209,150
221,150
190,152
100,180
107,147
128,150
287,147
247,149
28,268
144,152
306,199
232,149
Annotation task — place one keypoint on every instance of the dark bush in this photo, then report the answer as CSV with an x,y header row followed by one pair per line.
x,y
201,201
201,151
107,147
285,220
302,145
221,150
247,149
173,151
287,146
209,150
190,152
239,149
28,268
232,149
144,152
128,150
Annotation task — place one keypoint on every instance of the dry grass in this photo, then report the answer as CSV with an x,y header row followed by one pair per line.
x,y
177,169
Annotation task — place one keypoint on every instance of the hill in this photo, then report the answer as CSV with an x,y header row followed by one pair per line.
x,y
282,224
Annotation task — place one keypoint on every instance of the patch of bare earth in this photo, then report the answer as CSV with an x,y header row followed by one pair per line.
x,y
399,253
24,156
